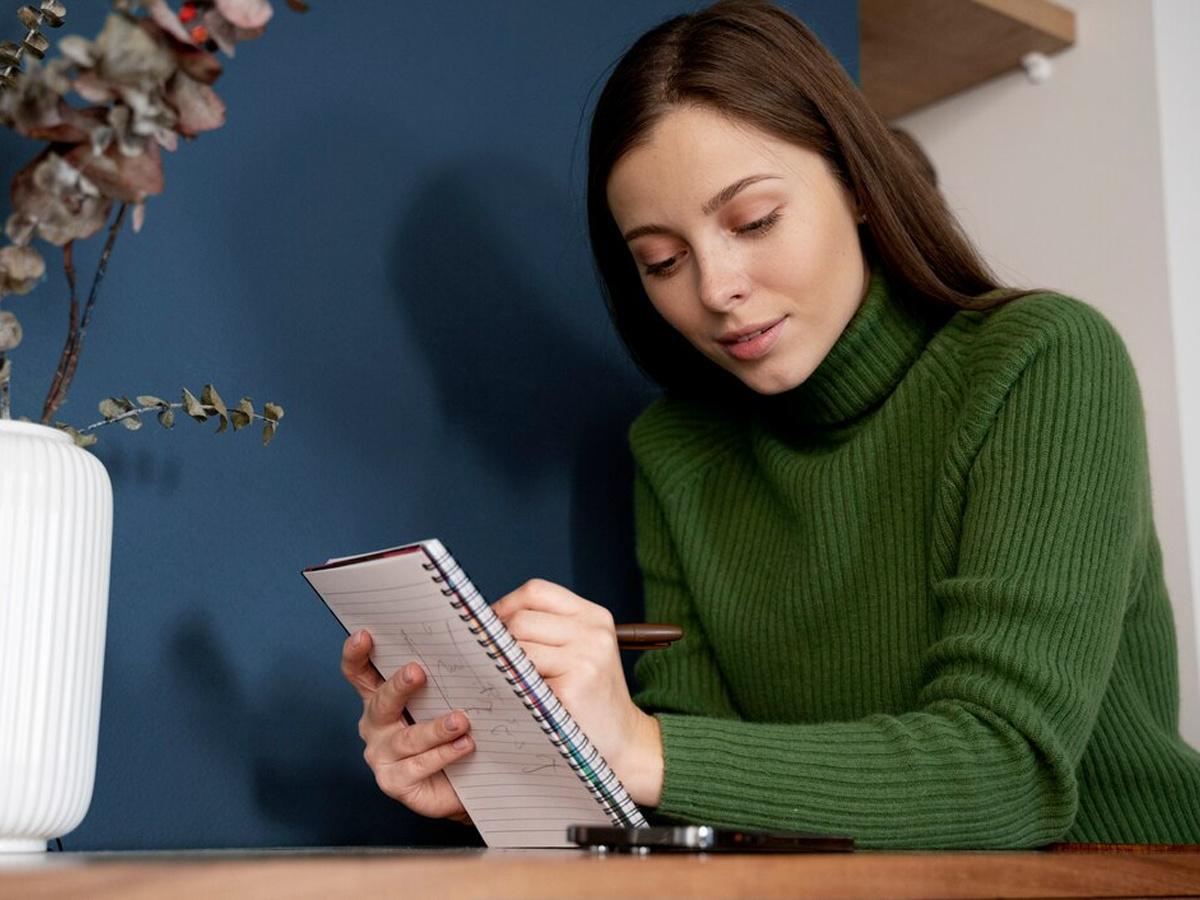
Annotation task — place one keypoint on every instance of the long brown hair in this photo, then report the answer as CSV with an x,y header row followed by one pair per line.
x,y
757,63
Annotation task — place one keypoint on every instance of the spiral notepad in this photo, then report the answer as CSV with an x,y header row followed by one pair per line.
x,y
533,771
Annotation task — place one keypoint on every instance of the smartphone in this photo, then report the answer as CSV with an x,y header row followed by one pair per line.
x,y
702,839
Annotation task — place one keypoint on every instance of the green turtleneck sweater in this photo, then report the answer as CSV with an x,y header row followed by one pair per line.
x,y
922,594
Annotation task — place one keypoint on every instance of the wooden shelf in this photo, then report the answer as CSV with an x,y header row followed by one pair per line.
x,y
916,52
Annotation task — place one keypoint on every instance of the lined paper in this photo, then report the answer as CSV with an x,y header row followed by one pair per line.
x,y
517,787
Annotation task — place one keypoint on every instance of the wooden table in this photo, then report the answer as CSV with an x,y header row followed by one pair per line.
x,y
451,874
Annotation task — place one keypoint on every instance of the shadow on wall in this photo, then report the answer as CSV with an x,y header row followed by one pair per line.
x,y
294,741
477,270
525,370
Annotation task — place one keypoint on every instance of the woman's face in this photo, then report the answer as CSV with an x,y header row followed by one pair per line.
x,y
747,244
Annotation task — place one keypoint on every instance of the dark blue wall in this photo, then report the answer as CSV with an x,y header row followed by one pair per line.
x,y
388,239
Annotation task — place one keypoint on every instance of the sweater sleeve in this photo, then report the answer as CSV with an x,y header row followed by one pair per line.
x,y
684,677
1055,501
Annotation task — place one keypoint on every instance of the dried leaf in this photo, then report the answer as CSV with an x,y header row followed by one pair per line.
x,y
36,44
78,50
51,195
198,63
272,412
221,32
192,406
166,19
127,178
243,415
110,408
21,270
210,397
94,89
10,331
10,54
151,400
139,216
130,55
29,18
80,439
133,423
54,12
198,106
166,418
297,6
268,432
245,13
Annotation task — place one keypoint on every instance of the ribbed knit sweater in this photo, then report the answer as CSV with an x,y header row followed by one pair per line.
x,y
922,594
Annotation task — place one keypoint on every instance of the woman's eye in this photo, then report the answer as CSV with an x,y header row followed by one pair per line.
x,y
661,269
753,229
759,226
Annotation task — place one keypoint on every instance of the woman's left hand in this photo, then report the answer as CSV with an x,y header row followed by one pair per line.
x,y
573,644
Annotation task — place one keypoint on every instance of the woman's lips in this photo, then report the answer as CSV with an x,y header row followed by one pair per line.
x,y
758,346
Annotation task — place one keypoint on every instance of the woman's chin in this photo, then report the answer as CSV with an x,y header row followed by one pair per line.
x,y
770,383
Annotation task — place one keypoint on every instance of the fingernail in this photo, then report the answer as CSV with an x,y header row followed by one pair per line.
x,y
461,743
452,722
357,640
407,675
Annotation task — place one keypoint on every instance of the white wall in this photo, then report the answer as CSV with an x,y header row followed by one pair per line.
x,y
1061,185
1176,37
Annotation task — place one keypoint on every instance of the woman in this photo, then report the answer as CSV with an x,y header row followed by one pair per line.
x,y
902,513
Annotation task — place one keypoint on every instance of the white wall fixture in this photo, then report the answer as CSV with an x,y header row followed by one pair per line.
x,y
56,518
1037,66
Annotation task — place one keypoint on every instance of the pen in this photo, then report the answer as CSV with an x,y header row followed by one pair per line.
x,y
647,636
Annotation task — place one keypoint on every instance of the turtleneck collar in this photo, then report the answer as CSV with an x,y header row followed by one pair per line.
x,y
878,346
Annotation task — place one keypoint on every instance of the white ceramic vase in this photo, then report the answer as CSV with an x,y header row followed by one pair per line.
x,y
55,548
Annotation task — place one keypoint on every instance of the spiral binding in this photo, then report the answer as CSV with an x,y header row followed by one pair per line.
x,y
547,710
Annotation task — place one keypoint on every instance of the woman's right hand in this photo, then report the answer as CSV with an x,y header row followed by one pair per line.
x,y
407,759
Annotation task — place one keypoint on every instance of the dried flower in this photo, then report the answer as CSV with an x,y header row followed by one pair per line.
x,y
10,331
21,268
53,198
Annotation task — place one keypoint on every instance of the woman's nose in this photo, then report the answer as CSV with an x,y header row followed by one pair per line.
x,y
722,282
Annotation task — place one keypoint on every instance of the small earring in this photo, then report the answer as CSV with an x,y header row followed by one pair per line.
x,y
862,218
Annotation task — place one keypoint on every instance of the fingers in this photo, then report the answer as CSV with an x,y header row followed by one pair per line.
x,y
410,753
538,594
551,662
548,597
433,761
414,740
408,761
356,664
386,705
540,627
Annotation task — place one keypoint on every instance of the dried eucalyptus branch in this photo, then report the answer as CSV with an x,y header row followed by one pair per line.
x,y
10,337
209,405
5,377
69,360
51,13
147,81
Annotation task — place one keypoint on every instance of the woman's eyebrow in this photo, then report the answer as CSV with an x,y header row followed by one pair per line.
x,y
726,194
718,200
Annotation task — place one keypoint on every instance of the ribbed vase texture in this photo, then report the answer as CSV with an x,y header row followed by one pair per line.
x,y
55,548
